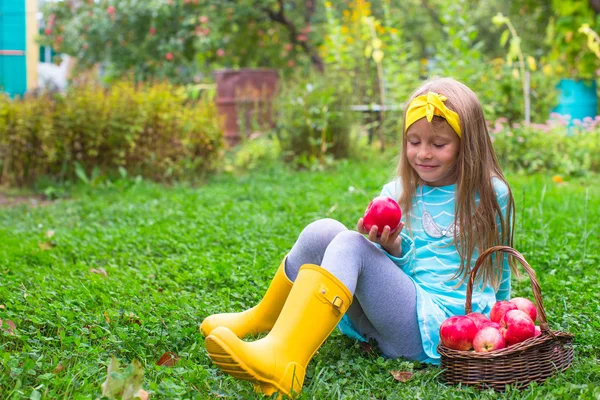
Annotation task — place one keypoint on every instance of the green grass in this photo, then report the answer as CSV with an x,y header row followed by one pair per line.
x,y
176,254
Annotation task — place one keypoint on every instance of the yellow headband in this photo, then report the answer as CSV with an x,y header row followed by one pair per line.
x,y
428,105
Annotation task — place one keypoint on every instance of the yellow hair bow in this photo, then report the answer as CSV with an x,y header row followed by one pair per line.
x,y
428,105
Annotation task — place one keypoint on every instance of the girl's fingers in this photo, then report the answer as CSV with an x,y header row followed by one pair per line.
x,y
360,226
385,235
397,231
373,233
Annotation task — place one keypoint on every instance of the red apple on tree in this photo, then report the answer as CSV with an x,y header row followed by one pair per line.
x,y
382,211
526,306
488,339
478,318
500,308
458,332
516,326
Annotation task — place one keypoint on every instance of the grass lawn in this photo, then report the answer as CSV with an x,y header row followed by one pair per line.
x,y
176,254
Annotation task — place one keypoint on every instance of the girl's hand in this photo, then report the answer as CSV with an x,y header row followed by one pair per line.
x,y
390,241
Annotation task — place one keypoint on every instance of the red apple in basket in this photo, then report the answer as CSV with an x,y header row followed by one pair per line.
x,y
526,306
488,339
516,326
478,318
382,211
500,308
458,332
492,324
537,332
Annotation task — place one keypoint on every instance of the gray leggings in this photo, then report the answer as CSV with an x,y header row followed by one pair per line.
x,y
384,306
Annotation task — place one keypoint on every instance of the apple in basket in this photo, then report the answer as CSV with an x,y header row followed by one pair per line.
x,y
382,211
479,319
537,332
500,308
458,332
526,306
492,324
488,339
516,326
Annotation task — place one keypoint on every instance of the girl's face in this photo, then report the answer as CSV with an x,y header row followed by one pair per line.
x,y
433,154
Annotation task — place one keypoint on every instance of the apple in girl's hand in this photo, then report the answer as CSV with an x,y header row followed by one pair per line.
x,y
458,332
537,332
382,211
500,308
526,306
488,339
478,318
516,326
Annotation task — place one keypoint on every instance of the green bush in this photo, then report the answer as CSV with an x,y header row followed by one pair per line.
x,y
548,148
314,120
153,131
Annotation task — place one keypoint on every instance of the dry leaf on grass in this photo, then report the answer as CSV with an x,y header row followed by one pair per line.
x,y
8,326
168,359
402,376
99,271
44,246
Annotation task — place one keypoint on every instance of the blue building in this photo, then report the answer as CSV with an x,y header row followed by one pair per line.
x,y
19,53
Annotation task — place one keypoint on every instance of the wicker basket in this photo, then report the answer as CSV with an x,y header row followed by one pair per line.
x,y
532,360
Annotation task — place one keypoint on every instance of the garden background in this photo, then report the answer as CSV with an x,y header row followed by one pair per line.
x,y
131,210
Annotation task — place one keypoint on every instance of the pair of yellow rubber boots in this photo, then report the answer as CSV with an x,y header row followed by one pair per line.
x,y
299,317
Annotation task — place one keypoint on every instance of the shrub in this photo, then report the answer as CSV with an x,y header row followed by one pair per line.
x,y
552,147
153,131
314,120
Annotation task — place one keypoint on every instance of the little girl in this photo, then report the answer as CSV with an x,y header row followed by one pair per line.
x,y
396,288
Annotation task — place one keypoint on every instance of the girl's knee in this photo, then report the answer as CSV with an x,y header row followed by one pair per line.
x,y
322,231
351,239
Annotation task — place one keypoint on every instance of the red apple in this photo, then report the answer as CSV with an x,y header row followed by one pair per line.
x,y
526,306
382,211
478,318
516,326
537,332
500,308
488,339
492,324
457,333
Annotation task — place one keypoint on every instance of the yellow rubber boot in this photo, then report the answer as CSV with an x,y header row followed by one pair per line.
x,y
278,361
259,318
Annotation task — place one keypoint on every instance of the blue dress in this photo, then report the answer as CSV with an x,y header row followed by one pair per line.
x,y
432,262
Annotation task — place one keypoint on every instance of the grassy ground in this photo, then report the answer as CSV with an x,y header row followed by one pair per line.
x,y
174,255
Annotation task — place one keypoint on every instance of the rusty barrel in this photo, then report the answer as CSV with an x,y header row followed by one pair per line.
x,y
244,100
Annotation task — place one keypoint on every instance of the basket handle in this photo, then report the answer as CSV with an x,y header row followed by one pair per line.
x,y
535,286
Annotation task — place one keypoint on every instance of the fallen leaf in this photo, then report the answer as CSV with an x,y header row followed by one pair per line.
x,y
58,369
44,246
106,317
168,359
2,306
366,347
99,271
402,376
49,233
10,326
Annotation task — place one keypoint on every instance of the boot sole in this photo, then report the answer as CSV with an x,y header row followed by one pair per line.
x,y
229,363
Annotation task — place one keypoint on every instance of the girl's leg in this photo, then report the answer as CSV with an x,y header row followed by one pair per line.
x,y
308,249
311,245
385,298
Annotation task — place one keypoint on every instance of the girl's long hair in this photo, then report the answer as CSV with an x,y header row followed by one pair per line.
x,y
480,225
